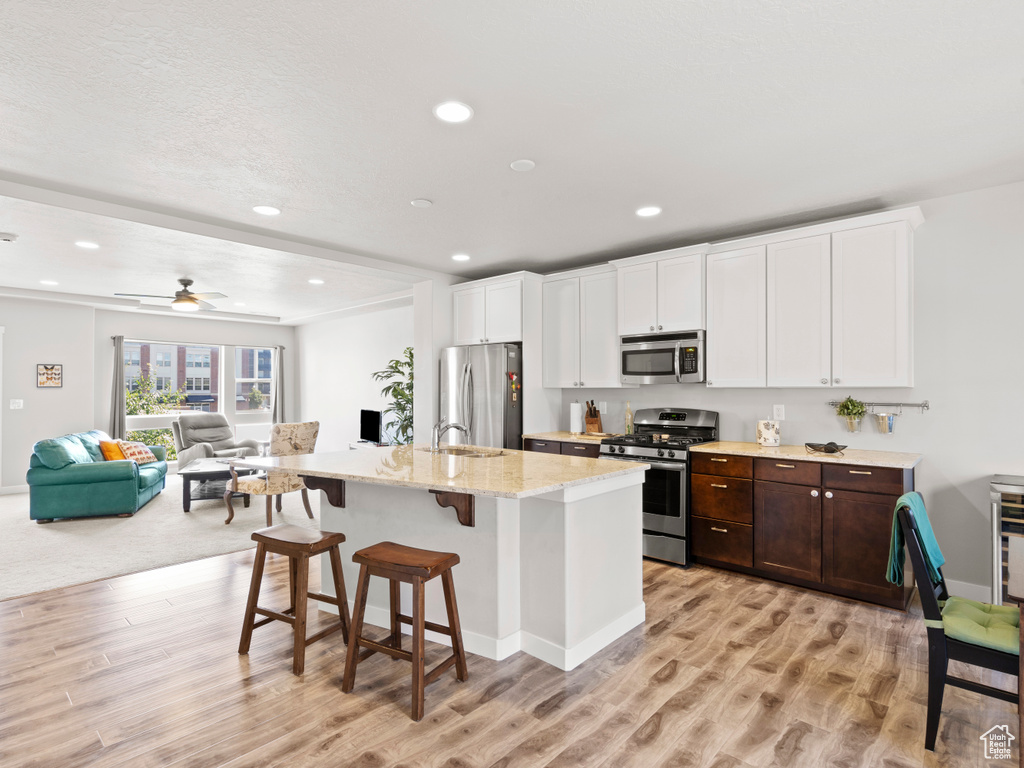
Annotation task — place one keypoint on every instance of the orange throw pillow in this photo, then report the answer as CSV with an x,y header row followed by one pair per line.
x,y
136,452
111,450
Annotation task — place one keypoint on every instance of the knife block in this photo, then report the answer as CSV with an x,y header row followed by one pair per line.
x,y
592,425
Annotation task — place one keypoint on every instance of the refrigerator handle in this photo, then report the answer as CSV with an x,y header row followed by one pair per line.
x,y
471,410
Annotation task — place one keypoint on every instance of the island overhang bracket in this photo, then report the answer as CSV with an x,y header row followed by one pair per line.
x,y
332,486
464,505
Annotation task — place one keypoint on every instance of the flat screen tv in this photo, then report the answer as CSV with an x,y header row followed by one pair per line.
x,y
369,426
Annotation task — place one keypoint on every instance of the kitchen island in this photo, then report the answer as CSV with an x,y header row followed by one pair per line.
x,y
550,546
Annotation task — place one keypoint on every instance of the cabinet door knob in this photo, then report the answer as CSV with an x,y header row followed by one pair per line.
x,y
659,327
581,383
828,494
814,494
652,327
824,381
481,341
835,380
575,383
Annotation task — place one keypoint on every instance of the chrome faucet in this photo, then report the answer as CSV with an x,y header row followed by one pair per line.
x,y
439,430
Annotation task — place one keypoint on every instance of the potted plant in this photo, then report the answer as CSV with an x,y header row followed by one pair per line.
x,y
398,374
853,411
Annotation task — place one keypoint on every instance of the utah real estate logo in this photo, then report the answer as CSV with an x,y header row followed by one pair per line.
x,y
997,742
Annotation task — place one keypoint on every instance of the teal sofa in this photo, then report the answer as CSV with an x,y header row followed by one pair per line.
x,y
68,477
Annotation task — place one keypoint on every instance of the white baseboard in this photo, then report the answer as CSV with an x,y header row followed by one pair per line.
x,y
569,658
980,592
8,490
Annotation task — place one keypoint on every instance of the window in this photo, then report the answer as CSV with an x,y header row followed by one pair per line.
x,y
197,384
132,354
197,360
163,359
162,383
254,378
153,389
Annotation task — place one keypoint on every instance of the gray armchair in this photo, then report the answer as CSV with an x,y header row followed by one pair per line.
x,y
202,435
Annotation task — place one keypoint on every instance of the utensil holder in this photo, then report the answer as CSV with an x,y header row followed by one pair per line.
x,y
593,423
886,422
852,423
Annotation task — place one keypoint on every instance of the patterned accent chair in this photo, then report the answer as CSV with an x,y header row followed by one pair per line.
x,y
202,435
285,440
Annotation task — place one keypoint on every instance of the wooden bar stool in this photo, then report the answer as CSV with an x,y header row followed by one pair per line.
x,y
398,563
298,544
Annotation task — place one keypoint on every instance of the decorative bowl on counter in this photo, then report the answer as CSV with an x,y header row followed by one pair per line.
x,y
825,448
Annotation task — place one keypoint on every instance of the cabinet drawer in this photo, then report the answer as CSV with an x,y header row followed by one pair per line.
x,y
722,498
578,449
725,542
543,446
724,466
784,471
865,479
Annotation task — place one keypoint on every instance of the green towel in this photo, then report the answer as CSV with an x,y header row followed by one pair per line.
x,y
932,554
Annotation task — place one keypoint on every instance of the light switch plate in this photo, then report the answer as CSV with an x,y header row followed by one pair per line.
x,y
17,405
778,413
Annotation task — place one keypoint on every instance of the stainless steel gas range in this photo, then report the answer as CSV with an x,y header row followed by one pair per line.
x,y
661,439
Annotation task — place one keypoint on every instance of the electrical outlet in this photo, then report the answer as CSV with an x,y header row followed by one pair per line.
x,y
778,413
17,405
602,407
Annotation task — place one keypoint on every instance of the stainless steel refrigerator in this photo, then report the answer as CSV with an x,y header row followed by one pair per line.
x,y
481,389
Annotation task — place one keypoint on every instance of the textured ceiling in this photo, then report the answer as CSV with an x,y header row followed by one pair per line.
x,y
732,116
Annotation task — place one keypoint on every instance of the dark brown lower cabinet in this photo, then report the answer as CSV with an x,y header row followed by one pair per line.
x,y
722,541
787,530
856,528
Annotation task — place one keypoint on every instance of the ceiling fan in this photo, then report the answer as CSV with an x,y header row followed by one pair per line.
x,y
183,300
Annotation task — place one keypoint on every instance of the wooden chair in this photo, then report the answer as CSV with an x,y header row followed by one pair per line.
x,y
298,545
285,440
399,563
959,630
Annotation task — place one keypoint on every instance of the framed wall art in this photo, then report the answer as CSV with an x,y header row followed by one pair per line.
x,y
49,375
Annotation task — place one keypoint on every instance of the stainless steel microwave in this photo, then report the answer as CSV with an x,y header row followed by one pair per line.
x,y
662,358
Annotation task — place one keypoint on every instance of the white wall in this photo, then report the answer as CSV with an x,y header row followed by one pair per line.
x,y
969,351
336,359
43,332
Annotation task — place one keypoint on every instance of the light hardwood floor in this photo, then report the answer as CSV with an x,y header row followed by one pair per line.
x,y
729,671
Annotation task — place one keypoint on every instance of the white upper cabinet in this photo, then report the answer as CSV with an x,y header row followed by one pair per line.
x,y
736,338
581,347
872,307
799,308
663,294
561,332
489,313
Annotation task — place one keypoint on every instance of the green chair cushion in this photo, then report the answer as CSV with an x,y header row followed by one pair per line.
x,y
59,452
990,626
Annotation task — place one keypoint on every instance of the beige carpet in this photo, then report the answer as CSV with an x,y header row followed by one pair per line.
x,y
37,557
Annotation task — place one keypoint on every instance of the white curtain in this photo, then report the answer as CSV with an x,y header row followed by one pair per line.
x,y
278,394
118,426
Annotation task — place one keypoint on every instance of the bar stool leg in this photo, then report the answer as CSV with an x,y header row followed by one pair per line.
x,y
396,608
339,592
254,595
461,673
301,602
355,630
418,619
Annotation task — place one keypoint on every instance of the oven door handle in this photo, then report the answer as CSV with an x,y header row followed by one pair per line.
x,y
670,466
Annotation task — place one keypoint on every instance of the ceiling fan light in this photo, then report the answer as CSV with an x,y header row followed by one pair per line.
x,y
184,304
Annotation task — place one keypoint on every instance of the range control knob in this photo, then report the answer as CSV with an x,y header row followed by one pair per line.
x,y
622,449
661,451
671,454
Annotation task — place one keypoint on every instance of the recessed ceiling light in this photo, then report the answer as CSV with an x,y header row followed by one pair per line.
x,y
86,244
460,257
239,303
266,210
422,202
453,112
315,281
48,282
523,165
649,210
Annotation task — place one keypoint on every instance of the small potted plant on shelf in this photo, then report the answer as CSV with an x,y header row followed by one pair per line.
x,y
853,411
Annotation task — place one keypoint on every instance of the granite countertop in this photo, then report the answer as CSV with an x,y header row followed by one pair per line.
x,y
569,437
890,459
512,475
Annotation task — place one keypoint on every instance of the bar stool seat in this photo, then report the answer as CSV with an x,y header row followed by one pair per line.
x,y
298,545
399,563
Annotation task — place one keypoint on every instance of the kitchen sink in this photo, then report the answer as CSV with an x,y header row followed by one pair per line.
x,y
468,453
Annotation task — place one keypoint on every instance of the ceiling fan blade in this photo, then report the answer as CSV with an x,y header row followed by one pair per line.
x,y
205,305
144,295
202,296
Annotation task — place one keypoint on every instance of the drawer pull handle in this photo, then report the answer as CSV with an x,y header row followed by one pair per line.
x,y
720,530
786,466
540,445
721,460
859,472
718,485
579,447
